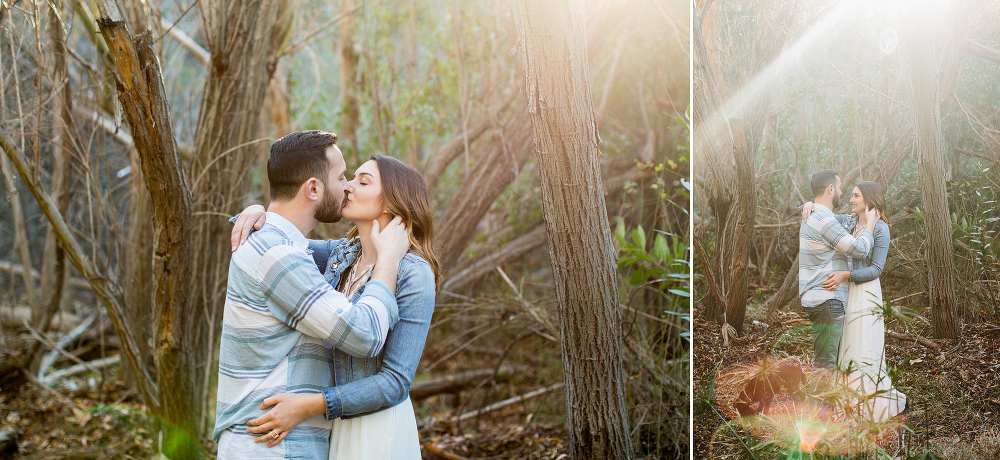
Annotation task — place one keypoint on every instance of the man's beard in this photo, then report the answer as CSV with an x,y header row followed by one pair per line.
x,y
328,211
836,201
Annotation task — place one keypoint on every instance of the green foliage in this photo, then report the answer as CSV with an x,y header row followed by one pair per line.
x,y
662,266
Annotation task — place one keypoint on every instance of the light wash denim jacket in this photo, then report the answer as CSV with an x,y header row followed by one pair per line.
x,y
870,267
365,385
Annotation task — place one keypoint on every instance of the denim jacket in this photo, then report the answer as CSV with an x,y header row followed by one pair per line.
x,y
365,385
870,267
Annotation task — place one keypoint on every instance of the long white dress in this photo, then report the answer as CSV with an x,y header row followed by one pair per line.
x,y
862,353
389,434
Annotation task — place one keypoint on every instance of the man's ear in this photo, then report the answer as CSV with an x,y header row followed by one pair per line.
x,y
312,188
830,189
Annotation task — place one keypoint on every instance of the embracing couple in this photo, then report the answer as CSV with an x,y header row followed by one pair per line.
x,y
321,339
841,257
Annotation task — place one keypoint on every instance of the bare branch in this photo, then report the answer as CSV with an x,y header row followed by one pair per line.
x,y
978,49
186,41
98,283
309,35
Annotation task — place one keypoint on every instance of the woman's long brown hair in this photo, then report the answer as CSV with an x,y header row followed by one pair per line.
x,y
404,193
874,197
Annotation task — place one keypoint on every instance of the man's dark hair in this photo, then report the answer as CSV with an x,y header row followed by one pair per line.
x,y
295,158
823,179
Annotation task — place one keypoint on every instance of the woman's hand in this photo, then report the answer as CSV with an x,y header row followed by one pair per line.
x,y
289,410
251,218
835,279
807,210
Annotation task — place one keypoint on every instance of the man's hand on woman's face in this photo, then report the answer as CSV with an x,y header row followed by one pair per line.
x,y
392,242
872,215
252,218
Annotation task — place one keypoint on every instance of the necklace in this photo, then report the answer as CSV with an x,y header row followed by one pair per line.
x,y
355,278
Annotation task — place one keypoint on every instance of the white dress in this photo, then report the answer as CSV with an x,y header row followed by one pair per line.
x,y
862,353
386,434
389,434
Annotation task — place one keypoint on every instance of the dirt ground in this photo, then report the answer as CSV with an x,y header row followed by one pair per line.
x,y
111,424
953,395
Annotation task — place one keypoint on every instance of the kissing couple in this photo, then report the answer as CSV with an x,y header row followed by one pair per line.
x,y
321,339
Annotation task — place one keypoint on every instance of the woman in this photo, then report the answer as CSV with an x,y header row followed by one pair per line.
x,y
862,345
376,416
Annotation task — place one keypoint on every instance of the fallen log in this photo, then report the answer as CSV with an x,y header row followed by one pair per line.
x,y
59,347
92,366
458,382
915,338
509,402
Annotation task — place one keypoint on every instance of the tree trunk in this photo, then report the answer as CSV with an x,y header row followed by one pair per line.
x,y
922,75
350,116
732,251
143,100
553,54
493,172
730,137
137,275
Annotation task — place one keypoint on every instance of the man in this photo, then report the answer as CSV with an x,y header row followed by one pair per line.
x,y
823,246
279,309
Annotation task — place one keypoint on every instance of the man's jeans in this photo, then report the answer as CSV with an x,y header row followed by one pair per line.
x,y
828,325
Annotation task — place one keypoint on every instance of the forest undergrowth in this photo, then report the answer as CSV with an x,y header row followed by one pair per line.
x,y
953,392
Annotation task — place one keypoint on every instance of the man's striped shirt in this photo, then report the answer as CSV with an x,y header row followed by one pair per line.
x,y
823,243
279,310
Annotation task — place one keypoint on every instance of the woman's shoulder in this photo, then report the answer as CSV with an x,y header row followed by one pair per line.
x,y
414,268
411,261
881,227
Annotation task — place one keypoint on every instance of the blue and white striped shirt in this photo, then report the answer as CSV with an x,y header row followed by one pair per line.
x,y
823,243
279,310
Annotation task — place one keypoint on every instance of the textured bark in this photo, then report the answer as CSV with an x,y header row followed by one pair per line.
x,y
729,143
144,103
137,275
788,291
924,98
736,216
492,173
553,55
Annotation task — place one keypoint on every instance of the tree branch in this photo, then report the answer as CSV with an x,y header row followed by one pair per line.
x,y
978,49
98,283
186,41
